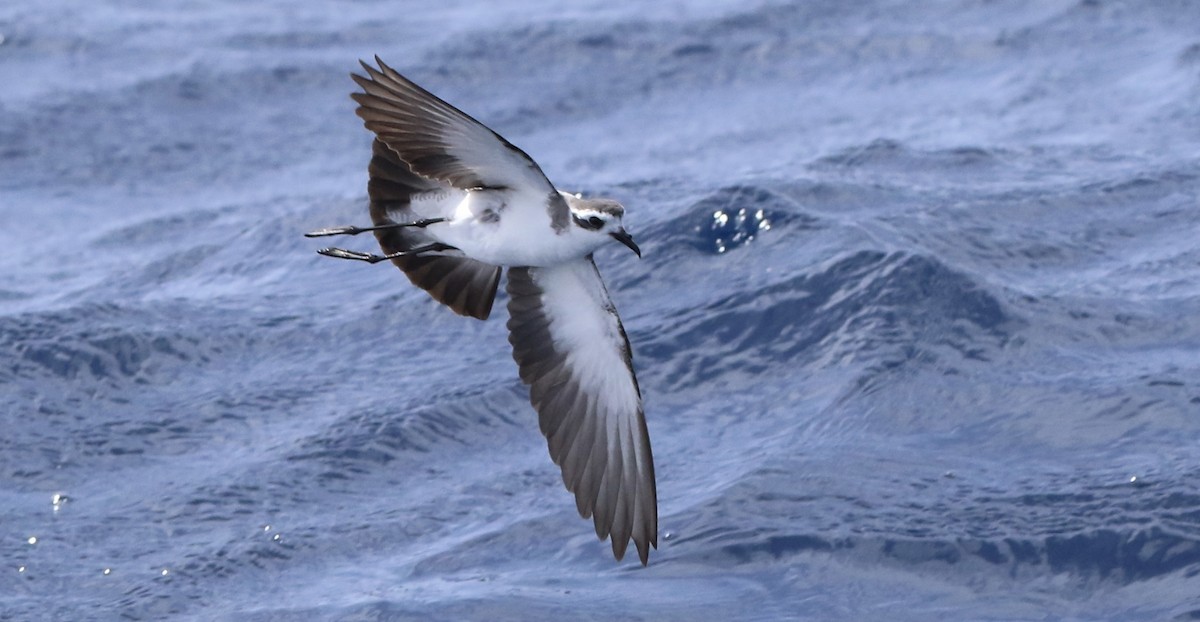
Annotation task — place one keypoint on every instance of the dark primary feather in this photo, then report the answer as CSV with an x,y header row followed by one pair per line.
x,y
441,142
612,478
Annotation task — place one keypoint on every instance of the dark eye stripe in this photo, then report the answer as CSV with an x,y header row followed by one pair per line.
x,y
591,224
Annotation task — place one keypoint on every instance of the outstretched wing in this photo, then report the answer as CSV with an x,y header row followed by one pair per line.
x,y
444,143
465,285
573,353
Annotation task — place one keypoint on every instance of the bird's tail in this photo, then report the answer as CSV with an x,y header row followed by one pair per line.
x,y
465,285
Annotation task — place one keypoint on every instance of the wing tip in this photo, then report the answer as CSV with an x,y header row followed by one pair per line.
x,y
643,553
367,68
643,549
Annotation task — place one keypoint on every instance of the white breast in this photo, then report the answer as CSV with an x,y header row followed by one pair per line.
x,y
502,227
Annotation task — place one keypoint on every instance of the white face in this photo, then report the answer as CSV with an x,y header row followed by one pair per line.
x,y
592,220
602,217
604,223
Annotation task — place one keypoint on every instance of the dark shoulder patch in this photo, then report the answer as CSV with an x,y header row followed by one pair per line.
x,y
560,214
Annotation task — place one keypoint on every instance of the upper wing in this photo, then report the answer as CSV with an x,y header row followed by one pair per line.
x,y
442,142
573,352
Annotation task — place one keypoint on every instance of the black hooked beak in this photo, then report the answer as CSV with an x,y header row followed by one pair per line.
x,y
623,237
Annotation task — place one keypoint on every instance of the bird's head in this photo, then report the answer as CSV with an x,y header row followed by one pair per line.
x,y
600,217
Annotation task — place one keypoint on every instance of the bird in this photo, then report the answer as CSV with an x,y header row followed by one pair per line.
x,y
453,204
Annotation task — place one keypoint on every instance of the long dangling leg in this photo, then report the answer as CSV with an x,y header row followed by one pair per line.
x,y
341,253
352,230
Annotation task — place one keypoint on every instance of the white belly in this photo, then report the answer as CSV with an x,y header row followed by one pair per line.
x,y
504,228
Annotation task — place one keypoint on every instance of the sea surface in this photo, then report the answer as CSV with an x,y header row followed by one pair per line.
x,y
917,322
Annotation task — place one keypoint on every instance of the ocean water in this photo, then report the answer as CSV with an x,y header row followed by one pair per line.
x,y
917,324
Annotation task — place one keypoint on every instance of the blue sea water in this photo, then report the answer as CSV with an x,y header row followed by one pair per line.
x,y
917,325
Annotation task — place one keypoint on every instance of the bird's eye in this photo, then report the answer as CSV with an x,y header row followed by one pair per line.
x,y
595,221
